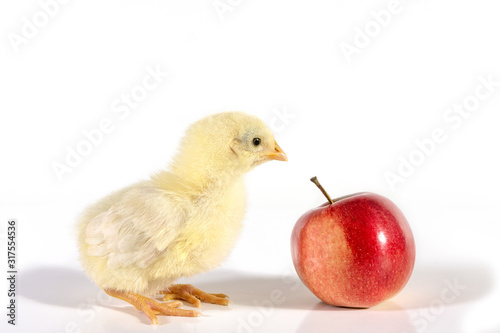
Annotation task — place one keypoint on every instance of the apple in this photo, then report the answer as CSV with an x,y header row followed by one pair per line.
x,y
354,251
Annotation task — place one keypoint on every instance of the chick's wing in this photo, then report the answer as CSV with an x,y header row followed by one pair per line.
x,y
136,229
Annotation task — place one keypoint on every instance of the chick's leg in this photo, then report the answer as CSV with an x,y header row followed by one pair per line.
x,y
193,295
151,307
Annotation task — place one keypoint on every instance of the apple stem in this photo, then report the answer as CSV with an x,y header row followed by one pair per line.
x,y
316,182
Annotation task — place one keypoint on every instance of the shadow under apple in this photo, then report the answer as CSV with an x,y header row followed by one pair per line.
x,y
326,318
446,283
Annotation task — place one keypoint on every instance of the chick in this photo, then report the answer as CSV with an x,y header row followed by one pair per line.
x,y
136,242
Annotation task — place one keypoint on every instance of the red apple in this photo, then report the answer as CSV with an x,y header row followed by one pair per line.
x,y
355,251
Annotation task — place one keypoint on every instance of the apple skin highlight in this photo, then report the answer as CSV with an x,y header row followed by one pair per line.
x,y
356,252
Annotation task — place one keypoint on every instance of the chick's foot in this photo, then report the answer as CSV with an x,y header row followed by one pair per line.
x,y
193,295
151,307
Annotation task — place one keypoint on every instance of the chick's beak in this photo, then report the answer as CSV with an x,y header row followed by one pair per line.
x,y
276,154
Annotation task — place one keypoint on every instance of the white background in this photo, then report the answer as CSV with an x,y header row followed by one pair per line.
x,y
351,119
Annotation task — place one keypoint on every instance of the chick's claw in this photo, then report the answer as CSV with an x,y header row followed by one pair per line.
x,y
193,295
151,307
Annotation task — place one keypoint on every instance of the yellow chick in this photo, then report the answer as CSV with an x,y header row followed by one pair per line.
x,y
136,242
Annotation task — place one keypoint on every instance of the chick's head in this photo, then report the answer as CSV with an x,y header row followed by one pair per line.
x,y
254,144
228,141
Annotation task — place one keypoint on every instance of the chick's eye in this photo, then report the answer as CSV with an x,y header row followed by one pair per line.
x,y
256,141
